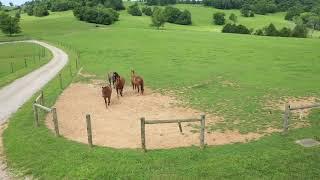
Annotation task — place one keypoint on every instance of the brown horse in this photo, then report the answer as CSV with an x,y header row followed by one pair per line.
x,y
106,93
120,81
137,82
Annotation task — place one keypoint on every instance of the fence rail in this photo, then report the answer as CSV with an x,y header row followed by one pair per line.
x,y
287,114
179,121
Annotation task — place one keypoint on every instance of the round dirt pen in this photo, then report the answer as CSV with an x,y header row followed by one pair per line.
x,y
118,126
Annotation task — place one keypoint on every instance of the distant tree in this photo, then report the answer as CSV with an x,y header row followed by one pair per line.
x,y
264,7
316,10
0,4
218,18
11,4
18,15
158,18
259,32
60,5
233,28
233,18
40,10
292,12
313,22
285,32
300,31
271,30
134,10
147,10
247,11
9,25
184,18
99,15
171,13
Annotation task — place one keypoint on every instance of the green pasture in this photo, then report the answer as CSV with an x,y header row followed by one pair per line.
x,y
19,59
230,75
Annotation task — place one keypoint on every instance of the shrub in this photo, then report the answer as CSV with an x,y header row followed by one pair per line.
x,y
233,28
171,14
147,10
247,11
134,10
285,32
158,18
271,30
99,15
233,18
259,32
300,31
184,18
40,10
218,18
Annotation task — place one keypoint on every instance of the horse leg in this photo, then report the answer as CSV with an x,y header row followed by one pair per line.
x,y
121,92
109,101
117,92
105,101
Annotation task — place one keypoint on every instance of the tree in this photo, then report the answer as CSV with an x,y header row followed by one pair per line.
x,y
158,18
246,11
233,18
11,4
40,10
271,30
218,18
9,25
285,32
147,10
300,31
0,4
134,10
171,14
292,12
184,18
233,28
313,22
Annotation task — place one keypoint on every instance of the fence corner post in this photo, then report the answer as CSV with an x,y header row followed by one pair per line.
x,y
55,121
36,115
202,128
143,134
89,130
42,98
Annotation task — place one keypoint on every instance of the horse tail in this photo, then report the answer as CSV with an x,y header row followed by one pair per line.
x,y
142,88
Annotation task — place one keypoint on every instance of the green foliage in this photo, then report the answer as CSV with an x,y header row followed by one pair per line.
x,y
270,30
174,15
233,28
40,10
134,10
292,12
60,5
246,11
233,18
285,32
218,18
224,4
147,10
99,15
300,31
264,7
9,25
158,17
160,2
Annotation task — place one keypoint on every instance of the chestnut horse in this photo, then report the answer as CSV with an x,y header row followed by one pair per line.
x,y
120,81
106,93
137,82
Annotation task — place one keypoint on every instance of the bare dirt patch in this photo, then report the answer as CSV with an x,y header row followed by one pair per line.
x,y
118,125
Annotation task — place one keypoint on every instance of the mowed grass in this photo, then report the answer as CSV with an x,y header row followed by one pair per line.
x,y
230,75
19,59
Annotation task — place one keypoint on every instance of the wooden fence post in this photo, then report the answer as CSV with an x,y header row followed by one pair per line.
x,y
25,63
89,130
36,115
143,134
42,98
286,117
55,121
180,127
60,79
11,64
202,128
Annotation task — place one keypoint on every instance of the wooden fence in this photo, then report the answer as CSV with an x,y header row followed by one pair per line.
x,y
179,121
287,113
38,104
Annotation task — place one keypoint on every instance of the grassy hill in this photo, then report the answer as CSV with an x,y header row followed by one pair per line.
x,y
257,69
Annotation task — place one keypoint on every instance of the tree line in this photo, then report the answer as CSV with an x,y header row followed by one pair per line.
x,y
10,24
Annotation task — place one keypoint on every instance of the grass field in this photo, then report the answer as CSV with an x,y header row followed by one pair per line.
x,y
19,59
235,76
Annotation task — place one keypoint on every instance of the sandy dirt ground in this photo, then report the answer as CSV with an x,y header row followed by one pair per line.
x,y
118,125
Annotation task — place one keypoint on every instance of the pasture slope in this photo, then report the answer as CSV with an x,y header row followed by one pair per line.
x,y
233,76
18,59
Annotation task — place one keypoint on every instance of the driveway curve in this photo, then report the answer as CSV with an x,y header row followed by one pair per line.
x,y
18,92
